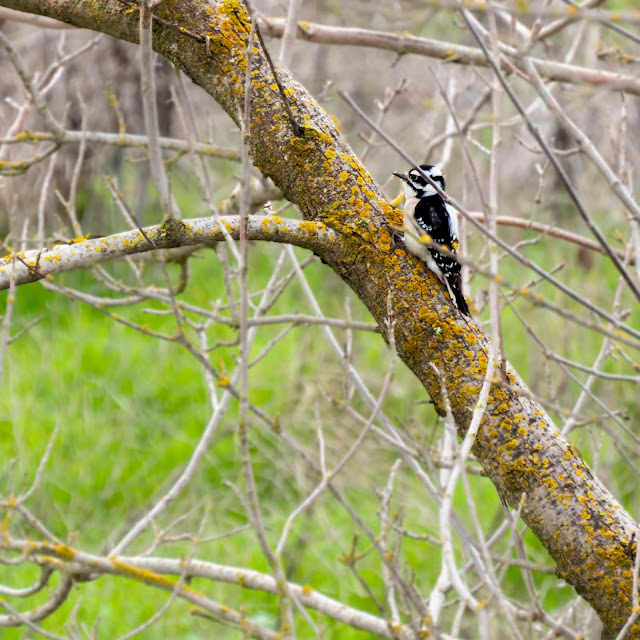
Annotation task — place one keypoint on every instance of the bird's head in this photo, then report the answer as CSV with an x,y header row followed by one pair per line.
x,y
415,185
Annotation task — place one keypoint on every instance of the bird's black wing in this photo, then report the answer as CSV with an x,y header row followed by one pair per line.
x,y
432,216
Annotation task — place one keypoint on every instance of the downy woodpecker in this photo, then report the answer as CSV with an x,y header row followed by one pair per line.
x,y
430,221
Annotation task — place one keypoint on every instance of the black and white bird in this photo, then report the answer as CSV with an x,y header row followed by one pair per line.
x,y
429,220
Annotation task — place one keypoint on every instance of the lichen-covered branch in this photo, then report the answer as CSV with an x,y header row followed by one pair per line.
x,y
156,571
585,530
29,266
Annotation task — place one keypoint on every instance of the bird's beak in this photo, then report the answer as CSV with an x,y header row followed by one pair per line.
x,y
401,176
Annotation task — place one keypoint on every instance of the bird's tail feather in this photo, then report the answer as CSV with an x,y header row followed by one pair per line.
x,y
454,285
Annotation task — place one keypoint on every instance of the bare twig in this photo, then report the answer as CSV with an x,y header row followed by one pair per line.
x,y
298,130
148,86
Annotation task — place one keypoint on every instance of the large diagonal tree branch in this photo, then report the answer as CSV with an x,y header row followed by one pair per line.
x,y
591,538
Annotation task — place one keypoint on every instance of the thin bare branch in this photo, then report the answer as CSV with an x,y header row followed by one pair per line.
x,y
449,52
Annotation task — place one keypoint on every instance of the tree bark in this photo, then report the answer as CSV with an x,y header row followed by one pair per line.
x,y
585,530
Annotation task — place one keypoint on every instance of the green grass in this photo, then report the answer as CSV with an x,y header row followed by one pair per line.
x,y
130,410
